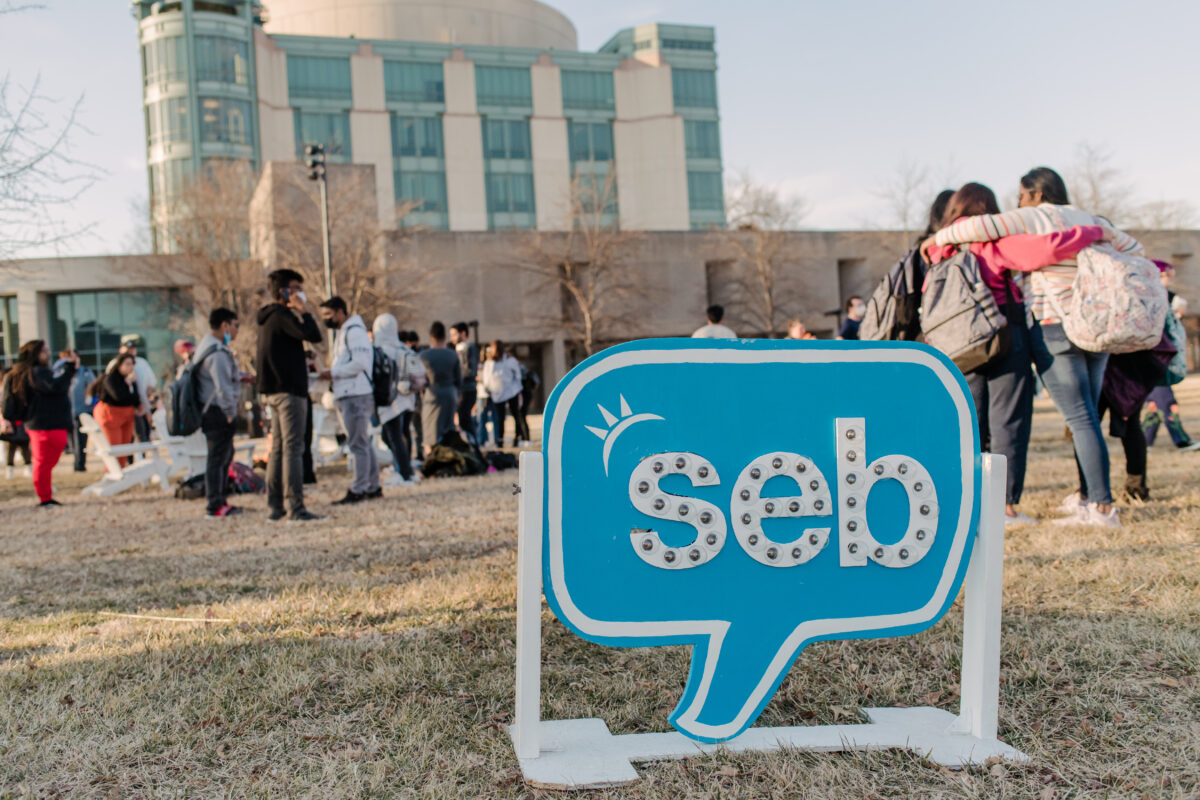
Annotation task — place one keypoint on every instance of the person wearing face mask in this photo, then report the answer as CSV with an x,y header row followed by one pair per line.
x,y
350,370
855,310
218,384
284,325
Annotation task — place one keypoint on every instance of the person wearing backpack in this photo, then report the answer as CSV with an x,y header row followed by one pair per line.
x,y
38,396
218,387
394,418
1002,388
1072,375
12,433
351,368
117,401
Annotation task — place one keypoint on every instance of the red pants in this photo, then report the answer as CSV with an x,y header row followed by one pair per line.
x,y
117,424
47,446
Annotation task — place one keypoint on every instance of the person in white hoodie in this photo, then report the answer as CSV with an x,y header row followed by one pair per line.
x,y
350,370
502,378
394,419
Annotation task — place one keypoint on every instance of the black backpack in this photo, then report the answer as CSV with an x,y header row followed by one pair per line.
x,y
894,308
15,409
385,376
184,412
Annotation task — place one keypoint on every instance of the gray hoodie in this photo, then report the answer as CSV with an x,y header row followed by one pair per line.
x,y
218,380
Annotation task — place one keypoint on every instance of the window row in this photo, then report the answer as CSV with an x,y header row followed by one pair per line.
x,y
414,81
590,141
165,60
328,128
503,86
222,59
588,90
705,191
167,121
417,136
694,88
224,121
685,44
94,322
702,138
319,77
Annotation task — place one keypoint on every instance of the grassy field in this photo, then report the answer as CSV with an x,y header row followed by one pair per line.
x,y
371,655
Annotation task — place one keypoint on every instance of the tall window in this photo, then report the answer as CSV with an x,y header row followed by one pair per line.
x,y
588,90
165,60
331,129
694,88
10,331
590,141
222,59
704,191
427,190
93,323
504,138
224,120
503,86
702,138
414,81
319,78
510,193
167,121
417,136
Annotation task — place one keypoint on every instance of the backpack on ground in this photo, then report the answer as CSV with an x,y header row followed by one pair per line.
x,y
959,315
184,412
893,310
384,377
244,480
1118,305
453,456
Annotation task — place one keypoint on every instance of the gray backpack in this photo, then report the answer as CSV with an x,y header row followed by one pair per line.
x,y
959,315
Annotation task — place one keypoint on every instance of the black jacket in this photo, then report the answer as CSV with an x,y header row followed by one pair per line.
x,y
50,404
115,391
281,337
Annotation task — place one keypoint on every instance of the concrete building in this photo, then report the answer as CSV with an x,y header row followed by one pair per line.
x,y
477,114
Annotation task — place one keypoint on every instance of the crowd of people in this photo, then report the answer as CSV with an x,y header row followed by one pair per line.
x,y
416,396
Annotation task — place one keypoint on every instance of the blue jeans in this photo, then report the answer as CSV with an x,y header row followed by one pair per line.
x,y
487,414
1074,378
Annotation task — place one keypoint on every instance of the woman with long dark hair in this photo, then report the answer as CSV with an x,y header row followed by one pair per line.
x,y
1003,388
117,401
1072,376
48,416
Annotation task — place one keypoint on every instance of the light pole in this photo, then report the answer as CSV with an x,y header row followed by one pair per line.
x,y
314,159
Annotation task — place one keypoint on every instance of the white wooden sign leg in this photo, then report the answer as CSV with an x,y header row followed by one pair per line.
x,y
527,718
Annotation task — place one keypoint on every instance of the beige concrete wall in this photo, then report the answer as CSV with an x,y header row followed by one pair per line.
x,y
551,161
371,129
276,122
463,138
507,23
651,159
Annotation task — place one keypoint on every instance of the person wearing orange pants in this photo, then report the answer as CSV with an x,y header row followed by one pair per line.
x,y
46,410
117,402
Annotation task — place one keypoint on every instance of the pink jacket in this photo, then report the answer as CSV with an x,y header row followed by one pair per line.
x,y
1024,252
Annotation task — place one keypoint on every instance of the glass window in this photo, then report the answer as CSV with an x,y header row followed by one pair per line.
x,y
414,81
503,86
331,129
222,59
590,141
428,189
587,89
224,120
165,60
510,193
506,138
167,121
94,322
702,138
685,44
319,77
694,88
10,331
168,178
704,191
417,136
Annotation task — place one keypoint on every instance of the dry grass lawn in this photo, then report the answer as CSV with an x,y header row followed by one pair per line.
x,y
371,655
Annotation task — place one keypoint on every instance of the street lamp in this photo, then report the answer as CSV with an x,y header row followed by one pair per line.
x,y
314,159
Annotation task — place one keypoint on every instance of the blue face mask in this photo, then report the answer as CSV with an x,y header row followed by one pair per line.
x,y
228,339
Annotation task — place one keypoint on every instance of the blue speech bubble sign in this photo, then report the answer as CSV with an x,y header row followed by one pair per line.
x,y
751,497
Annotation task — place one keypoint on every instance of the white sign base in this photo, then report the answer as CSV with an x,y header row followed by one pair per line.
x,y
583,754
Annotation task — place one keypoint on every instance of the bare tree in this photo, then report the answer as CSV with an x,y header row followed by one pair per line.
x,y
759,220
907,194
588,266
1097,185
38,176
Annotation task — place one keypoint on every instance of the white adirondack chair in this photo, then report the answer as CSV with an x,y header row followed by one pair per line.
x,y
326,427
139,472
189,454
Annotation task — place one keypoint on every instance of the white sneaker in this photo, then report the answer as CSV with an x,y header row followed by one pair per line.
x,y
1187,448
1019,519
9,472
1071,503
415,479
27,472
1110,520
1078,516
393,481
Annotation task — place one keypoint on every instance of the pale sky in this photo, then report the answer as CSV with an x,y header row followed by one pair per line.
x,y
822,99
